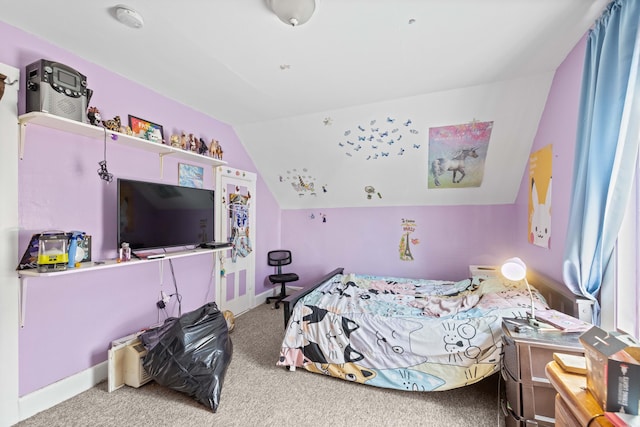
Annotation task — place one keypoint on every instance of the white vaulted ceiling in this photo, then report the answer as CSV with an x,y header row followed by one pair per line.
x,y
302,98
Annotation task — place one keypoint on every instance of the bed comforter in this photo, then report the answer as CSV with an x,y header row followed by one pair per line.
x,y
407,334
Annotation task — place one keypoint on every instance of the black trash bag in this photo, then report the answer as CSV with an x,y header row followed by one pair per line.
x,y
191,355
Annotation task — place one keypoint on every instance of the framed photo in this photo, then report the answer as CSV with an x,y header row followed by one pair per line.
x,y
190,176
146,130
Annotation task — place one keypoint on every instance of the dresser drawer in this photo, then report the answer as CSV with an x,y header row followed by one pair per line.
x,y
510,418
512,393
529,398
510,357
538,403
535,358
564,417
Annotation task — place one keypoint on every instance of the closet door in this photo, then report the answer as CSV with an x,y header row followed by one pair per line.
x,y
235,190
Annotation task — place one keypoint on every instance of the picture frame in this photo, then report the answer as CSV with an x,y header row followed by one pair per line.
x,y
190,175
145,129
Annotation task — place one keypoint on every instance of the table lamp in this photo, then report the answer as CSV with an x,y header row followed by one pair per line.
x,y
515,269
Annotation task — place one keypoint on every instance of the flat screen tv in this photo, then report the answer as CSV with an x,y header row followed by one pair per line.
x,y
153,215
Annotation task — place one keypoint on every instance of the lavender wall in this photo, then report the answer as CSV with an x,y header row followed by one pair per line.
x,y
366,240
558,126
71,319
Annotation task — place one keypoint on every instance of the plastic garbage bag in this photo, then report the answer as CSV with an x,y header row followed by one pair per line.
x,y
191,354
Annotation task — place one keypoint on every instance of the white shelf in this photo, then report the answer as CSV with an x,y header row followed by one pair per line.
x,y
24,275
101,265
98,132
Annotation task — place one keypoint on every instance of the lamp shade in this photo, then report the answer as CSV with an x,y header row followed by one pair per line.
x,y
293,12
514,269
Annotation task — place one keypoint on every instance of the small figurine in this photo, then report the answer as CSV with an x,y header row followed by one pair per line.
x,y
93,114
113,124
183,141
215,149
127,130
192,143
175,141
202,147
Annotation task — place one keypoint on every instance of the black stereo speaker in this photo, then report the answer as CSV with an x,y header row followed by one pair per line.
x,y
57,89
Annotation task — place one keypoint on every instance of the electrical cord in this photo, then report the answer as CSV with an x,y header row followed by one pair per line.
x,y
499,389
103,172
175,285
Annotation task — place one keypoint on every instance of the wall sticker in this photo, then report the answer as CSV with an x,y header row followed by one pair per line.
x,y
371,191
238,207
302,182
406,241
380,138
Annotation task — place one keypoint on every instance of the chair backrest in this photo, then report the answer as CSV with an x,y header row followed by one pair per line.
x,y
279,258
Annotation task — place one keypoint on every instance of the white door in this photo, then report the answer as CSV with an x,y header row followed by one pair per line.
x,y
235,190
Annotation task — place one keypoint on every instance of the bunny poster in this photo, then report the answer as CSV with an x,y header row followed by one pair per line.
x,y
540,179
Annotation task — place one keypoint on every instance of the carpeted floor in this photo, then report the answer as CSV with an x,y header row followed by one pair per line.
x,y
257,393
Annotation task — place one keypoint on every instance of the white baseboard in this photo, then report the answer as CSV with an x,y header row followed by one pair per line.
x,y
62,390
58,392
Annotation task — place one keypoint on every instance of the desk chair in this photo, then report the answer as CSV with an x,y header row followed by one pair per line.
x,y
277,259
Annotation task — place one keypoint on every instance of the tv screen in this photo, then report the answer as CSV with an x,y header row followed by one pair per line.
x,y
153,215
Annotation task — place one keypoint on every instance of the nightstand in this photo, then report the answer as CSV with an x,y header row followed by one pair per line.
x,y
529,397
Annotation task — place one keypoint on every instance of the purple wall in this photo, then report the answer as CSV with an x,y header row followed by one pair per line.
x,y
366,240
71,319
450,237
558,126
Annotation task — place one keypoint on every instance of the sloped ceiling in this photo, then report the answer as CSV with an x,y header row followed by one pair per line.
x,y
338,111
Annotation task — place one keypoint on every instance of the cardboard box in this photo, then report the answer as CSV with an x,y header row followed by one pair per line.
x,y
613,370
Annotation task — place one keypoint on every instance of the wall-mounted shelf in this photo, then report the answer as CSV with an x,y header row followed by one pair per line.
x,y
99,133
100,265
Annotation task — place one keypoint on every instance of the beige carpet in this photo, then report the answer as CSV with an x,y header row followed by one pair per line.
x,y
257,393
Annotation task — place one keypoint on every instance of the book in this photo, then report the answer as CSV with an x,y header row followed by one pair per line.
x,y
571,363
620,419
562,321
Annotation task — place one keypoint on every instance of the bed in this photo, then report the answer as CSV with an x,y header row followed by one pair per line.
x,y
400,333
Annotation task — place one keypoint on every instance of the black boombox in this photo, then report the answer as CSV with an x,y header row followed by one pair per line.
x,y
57,89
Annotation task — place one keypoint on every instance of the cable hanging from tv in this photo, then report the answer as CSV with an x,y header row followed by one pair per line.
x,y
103,172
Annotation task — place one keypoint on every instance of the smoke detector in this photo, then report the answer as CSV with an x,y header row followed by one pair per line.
x,y
129,17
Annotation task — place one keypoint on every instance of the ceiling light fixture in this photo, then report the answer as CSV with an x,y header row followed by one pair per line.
x,y
129,17
293,12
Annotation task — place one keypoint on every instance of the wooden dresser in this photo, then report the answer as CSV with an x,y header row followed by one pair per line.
x,y
575,405
529,397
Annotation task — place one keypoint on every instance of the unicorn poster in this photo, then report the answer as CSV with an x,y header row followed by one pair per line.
x,y
540,170
457,154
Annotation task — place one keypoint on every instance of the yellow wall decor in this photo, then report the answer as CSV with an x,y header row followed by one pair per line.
x,y
540,178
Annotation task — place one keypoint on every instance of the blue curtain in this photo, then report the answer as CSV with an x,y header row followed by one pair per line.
x,y
606,148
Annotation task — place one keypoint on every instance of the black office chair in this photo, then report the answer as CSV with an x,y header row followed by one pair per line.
x,y
277,259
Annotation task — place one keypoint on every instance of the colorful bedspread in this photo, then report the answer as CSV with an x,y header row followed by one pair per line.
x,y
407,334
